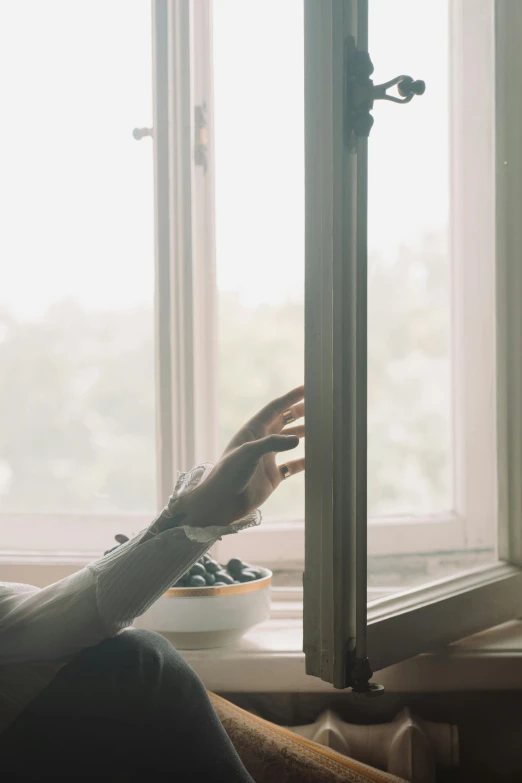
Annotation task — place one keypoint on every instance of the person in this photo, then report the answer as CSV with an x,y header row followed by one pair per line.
x,y
82,694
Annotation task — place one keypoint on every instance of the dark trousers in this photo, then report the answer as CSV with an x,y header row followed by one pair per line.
x,y
129,708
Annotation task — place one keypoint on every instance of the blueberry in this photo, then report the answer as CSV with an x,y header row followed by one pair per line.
x,y
198,569
212,567
210,578
246,576
234,566
222,576
219,584
197,581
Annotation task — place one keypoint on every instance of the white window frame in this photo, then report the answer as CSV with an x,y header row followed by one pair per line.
x,y
186,302
186,309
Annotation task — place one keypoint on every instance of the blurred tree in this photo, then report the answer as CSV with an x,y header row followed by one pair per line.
x,y
77,411
77,395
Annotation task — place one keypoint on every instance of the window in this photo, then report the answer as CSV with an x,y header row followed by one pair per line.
x,y
180,285
77,453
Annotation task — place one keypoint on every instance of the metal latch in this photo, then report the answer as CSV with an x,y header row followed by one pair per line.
x,y
201,136
140,133
362,92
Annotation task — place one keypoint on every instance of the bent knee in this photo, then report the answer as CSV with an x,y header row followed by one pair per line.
x,y
158,659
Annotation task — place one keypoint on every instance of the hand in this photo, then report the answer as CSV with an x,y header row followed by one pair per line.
x,y
247,474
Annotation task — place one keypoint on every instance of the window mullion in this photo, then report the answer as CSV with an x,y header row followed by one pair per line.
x,y
181,235
162,306
205,293
185,280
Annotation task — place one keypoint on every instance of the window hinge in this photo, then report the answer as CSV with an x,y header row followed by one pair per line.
x,y
362,92
360,673
201,136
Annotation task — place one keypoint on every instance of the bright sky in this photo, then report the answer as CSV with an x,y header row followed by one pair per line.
x,y
76,188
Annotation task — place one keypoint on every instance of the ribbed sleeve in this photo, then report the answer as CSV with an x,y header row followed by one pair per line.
x,y
130,578
103,598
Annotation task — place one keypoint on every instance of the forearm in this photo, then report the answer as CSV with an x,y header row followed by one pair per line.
x,y
94,603
129,581
106,596
135,575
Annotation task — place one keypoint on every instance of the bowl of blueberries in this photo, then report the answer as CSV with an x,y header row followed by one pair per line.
x,y
211,605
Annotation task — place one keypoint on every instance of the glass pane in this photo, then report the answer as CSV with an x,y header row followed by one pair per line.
x,y
259,137
77,272
409,342
410,407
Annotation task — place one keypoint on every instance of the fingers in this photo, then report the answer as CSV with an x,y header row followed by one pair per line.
x,y
298,430
280,404
272,413
292,467
271,443
297,412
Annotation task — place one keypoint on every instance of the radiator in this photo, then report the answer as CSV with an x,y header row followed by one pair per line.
x,y
408,746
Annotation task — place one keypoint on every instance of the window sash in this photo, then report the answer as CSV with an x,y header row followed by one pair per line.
x,y
334,600
334,582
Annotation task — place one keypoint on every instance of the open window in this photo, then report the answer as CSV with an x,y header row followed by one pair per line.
x,y
248,239
447,369
400,291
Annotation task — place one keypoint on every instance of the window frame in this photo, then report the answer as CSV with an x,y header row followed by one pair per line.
x,y
186,318
337,620
185,257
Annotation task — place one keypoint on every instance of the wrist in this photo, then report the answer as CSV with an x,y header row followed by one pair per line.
x,y
195,509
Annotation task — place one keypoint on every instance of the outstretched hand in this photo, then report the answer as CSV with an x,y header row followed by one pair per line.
x,y
247,473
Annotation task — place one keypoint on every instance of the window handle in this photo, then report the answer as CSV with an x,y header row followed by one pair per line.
x,y
362,92
139,133
406,87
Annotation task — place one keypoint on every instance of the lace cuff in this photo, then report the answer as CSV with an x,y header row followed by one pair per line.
x,y
185,483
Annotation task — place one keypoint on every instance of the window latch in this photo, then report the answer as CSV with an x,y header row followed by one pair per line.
x,y
139,133
362,92
201,136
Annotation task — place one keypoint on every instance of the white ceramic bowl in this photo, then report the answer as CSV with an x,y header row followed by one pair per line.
x,y
197,618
